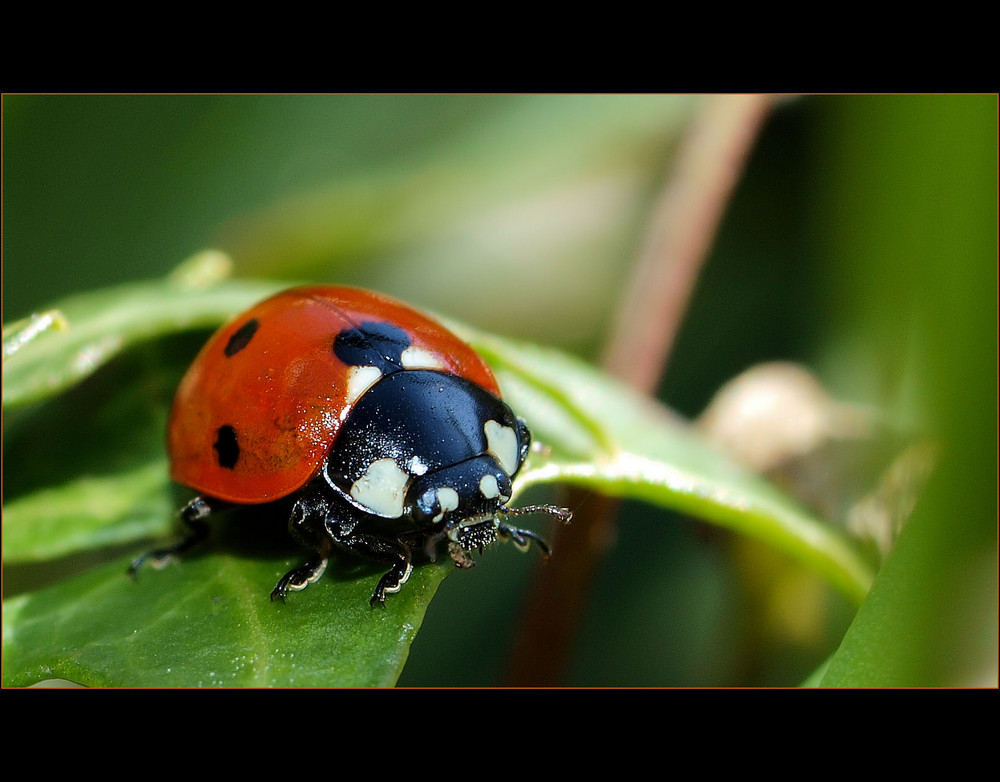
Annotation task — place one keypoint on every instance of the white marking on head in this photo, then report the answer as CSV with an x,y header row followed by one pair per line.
x,y
419,358
359,380
382,488
489,487
448,499
501,441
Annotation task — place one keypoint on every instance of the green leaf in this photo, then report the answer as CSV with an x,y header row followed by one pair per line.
x,y
207,620
608,438
931,618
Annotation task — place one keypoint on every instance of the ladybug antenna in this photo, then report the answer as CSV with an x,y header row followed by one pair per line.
x,y
563,514
522,538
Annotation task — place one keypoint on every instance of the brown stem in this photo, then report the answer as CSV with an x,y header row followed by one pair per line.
x,y
681,228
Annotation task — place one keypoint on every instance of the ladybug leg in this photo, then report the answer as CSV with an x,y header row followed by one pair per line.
x,y
392,581
383,550
300,577
308,515
193,515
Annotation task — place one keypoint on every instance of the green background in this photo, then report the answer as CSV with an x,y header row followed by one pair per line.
x,y
861,242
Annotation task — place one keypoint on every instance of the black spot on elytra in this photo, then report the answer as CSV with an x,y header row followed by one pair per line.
x,y
372,344
226,447
242,337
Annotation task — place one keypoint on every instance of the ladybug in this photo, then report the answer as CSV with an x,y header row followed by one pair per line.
x,y
385,433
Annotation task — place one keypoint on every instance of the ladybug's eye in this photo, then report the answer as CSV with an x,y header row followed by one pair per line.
x,y
476,489
434,503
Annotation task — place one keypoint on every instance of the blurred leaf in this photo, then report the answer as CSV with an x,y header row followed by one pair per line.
x,y
606,437
208,621
430,197
465,188
88,512
918,299
101,324
20,333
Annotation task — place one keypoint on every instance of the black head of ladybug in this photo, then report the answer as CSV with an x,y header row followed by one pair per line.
x,y
434,453
423,446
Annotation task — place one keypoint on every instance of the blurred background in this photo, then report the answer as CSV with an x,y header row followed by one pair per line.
x,y
860,243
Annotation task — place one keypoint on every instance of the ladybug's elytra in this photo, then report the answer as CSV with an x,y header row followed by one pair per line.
x,y
386,431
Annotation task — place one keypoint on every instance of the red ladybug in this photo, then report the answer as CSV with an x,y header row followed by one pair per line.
x,y
385,431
